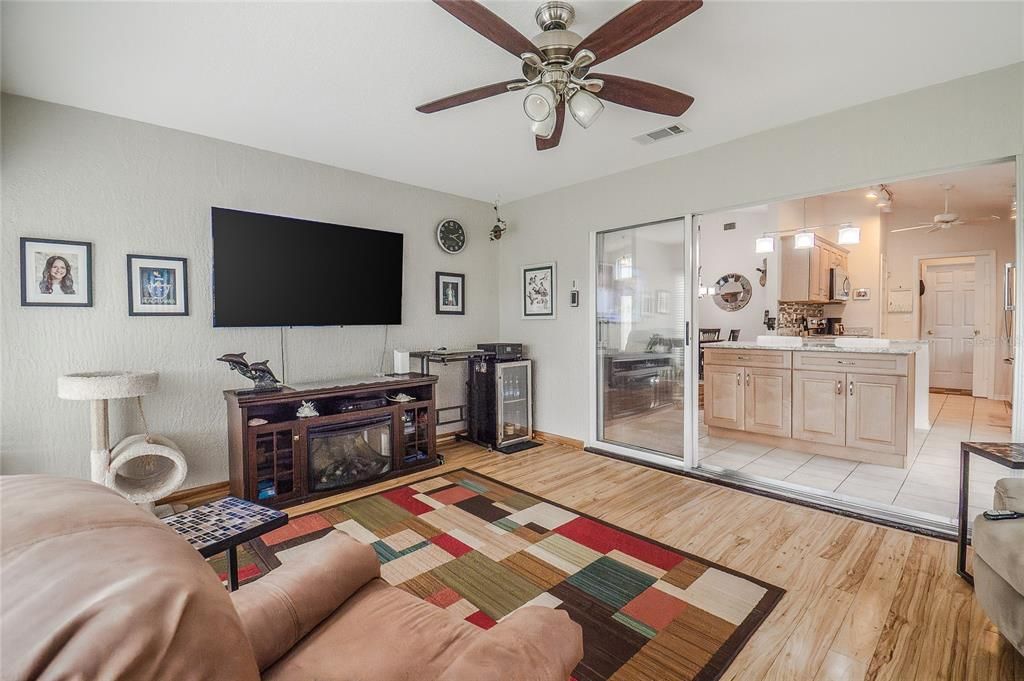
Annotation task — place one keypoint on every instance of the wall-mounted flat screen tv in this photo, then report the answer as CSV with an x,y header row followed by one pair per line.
x,y
276,271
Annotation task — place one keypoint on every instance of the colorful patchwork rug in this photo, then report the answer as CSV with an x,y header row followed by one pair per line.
x,y
481,549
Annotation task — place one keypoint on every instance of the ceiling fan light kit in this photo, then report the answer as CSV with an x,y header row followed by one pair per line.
x,y
585,108
556,63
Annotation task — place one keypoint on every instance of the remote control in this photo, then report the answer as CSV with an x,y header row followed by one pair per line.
x,y
1002,515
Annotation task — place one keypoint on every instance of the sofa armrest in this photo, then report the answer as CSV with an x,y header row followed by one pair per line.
x,y
531,644
1009,495
286,604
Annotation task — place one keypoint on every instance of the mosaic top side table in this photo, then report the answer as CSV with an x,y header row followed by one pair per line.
x,y
224,524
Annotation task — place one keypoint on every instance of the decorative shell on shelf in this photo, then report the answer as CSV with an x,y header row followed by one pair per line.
x,y
257,422
306,410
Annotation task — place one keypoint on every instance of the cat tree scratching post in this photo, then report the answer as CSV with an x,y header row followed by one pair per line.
x,y
144,467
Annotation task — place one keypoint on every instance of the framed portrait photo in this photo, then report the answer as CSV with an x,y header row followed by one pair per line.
x,y
862,294
157,286
56,273
538,290
450,293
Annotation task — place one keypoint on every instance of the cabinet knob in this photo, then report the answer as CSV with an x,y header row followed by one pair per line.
x,y
295,438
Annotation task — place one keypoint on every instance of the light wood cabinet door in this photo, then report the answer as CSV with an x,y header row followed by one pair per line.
x,y
876,413
768,401
723,396
819,406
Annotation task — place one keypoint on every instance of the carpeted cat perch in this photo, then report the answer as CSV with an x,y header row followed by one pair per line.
x,y
142,468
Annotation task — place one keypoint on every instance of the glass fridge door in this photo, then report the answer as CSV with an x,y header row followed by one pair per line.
x,y
515,402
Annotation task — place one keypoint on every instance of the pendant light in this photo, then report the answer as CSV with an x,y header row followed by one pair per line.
x,y
849,233
764,244
804,239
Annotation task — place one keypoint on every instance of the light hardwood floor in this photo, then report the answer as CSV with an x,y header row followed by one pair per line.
x,y
862,601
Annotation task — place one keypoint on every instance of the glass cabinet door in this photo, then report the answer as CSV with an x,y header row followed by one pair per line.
x,y
515,413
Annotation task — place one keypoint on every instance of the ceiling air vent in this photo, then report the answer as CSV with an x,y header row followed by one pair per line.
x,y
661,134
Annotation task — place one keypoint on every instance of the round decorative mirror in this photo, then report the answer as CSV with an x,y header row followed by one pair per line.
x,y
733,292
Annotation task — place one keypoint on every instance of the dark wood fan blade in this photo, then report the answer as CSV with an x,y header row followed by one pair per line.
x,y
466,97
488,24
644,96
556,136
635,24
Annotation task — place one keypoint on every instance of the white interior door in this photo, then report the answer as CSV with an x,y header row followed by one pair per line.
x,y
948,322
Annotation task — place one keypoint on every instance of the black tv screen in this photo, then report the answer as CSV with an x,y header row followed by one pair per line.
x,y
276,271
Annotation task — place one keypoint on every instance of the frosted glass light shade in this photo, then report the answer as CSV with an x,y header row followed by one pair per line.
x,y
849,234
804,240
539,102
585,108
545,128
764,244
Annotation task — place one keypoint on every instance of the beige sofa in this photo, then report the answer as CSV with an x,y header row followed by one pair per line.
x,y
999,563
95,588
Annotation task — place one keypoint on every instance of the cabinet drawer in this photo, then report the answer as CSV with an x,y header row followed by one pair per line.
x,y
769,359
891,365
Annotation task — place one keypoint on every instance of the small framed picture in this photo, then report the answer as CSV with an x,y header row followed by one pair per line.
x,y
862,294
450,293
157,286
56,273
538,291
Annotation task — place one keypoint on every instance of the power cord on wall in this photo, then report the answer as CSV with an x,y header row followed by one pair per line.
x,y
383,350
283,372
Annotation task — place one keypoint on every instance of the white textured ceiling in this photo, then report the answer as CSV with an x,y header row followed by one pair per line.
x,y
337,82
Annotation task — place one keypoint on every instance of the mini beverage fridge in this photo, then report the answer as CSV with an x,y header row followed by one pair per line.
x,y
500,401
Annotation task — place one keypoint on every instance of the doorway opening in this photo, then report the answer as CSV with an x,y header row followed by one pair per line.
x,y
925,284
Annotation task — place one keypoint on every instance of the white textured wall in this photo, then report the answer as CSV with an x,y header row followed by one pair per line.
x,y
722,252
130,187
964,121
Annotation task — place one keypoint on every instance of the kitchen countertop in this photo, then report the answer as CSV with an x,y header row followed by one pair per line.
x,y
896,347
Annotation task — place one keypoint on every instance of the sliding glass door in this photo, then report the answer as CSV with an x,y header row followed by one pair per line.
x,y
642,354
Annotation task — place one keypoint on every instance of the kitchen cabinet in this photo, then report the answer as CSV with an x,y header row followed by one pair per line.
x,y
767,400
753,399
819,407
723,397
876,413
806,272
853,405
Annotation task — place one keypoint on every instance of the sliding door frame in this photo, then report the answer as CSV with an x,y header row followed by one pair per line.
x,y
689,425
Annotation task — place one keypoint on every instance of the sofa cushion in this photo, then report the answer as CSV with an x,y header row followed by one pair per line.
x,y
381,634
96,588
1009,495
1000,543
1002,603
282,607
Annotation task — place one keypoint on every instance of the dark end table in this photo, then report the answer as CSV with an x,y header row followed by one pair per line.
x,y
1009,454
224,524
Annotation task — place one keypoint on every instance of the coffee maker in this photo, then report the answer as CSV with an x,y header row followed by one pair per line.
x,y
834,326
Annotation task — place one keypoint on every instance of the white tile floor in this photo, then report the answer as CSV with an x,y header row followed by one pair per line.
x,y
931,484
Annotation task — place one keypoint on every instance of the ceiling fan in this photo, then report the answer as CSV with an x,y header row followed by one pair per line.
x,y
945,219
556,63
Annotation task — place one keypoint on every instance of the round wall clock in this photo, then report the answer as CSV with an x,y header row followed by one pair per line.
x,y
451,236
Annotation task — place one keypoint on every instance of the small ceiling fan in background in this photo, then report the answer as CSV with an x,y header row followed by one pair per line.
x,y
556,63
945,219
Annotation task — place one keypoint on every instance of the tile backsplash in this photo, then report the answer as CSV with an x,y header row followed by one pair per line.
x,y
790,314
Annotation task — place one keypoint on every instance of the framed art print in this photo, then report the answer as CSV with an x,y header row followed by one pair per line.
x,y
862,294
538,291
157,286
56,273
449,293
